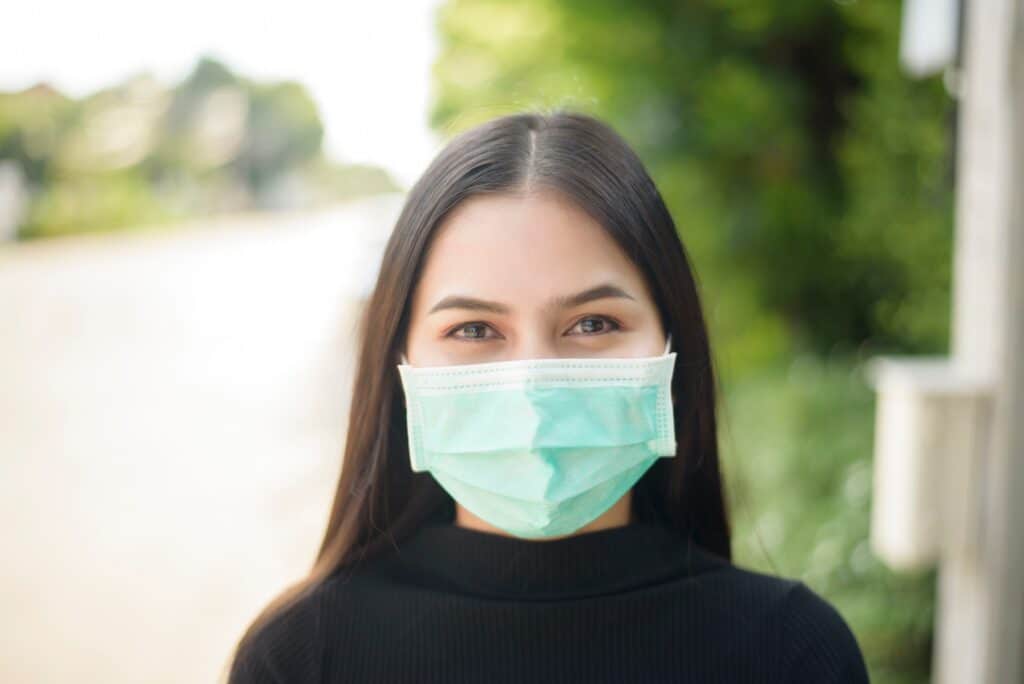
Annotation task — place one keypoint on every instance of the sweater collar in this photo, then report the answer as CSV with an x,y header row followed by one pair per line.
x,y
586,564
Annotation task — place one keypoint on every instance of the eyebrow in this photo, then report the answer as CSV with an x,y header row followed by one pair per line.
x,y
603,291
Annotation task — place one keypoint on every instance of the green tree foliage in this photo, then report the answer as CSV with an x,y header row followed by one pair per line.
x,y
140,153
31,123
811,183
897,163
808,177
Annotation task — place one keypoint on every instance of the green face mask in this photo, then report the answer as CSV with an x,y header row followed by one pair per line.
x,y
540,447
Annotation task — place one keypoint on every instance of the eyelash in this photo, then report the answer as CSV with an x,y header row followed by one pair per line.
x,y
615,325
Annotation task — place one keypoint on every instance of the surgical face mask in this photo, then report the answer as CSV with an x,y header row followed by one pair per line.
x,y
540,447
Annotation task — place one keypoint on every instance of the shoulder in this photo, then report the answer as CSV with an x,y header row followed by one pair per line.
x,y
808,638
818,644
289,645
283,646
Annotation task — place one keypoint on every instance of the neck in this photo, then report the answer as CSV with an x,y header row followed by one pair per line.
x,y
583,564
619,515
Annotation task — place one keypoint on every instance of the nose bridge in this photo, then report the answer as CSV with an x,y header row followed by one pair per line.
x,y
537,341
536,347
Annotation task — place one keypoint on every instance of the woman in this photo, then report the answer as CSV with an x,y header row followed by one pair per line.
x,y
530,489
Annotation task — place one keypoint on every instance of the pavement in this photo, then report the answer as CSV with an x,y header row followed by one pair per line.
x,y
172,417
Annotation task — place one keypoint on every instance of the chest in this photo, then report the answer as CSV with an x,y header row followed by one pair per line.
x,y
640,637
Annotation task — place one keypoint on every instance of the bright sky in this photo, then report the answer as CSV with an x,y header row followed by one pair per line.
x,y
367,64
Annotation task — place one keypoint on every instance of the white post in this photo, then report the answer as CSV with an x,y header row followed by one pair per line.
x,y
949,451
981,588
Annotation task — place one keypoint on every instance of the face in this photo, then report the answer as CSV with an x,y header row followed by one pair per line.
x,y
528,277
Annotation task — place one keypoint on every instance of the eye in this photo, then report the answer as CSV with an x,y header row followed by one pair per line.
x,y
593,325
472,331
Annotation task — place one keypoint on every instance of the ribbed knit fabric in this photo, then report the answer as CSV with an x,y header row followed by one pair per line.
x,y
638,603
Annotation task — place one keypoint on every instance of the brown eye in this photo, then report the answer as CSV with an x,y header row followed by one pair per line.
x,y
471,331
593,325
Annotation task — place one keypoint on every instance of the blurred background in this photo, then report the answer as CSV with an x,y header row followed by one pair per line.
x,y
193,201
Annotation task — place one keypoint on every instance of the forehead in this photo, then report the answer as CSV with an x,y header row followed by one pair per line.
x,y
515,247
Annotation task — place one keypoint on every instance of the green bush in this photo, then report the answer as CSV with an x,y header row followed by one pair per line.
x,y
796,450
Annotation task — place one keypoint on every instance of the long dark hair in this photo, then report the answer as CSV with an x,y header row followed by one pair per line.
x,y
379,499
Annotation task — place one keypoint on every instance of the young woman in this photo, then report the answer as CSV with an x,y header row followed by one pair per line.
x,y
530,489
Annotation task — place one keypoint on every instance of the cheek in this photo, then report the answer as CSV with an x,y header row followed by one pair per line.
x,y
418,343
649,334
426,345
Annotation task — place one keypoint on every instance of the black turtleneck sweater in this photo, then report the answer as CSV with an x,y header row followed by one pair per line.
x,y
638,603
